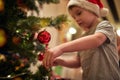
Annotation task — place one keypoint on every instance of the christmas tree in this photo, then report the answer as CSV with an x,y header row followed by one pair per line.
x,y
20,48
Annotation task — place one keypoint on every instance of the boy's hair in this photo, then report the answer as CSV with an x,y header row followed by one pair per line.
x,y
94,6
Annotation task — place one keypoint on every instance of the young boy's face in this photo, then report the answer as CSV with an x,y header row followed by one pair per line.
x,y
83,17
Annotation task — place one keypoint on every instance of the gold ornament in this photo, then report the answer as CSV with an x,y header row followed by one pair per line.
x,y
17,78
16,40
17,68
3,38
44,22
1,5
2,57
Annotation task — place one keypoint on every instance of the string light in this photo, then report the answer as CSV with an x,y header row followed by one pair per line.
x,y
118,32
72,30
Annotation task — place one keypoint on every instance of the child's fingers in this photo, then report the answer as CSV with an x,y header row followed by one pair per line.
x,y
48,59
55,63
45,59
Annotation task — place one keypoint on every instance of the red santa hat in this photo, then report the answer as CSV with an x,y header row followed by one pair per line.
x,y
94,6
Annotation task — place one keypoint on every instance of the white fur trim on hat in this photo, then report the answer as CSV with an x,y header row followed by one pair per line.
x,y
104,12
89,6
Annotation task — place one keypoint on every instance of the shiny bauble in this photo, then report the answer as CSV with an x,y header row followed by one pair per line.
x,y
1,5
17,78
2,57
16,40
44,37
3,38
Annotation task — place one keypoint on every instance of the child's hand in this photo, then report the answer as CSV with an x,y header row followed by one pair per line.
x,y
50,55
57,61
48,59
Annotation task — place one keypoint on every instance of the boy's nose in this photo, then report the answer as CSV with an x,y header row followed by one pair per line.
x,y
77,19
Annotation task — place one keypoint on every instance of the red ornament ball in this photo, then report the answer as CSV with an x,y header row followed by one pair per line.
x,y
40,56
44,37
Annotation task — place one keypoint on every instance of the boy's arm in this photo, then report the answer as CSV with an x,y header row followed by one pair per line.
x,y
71,63
84,43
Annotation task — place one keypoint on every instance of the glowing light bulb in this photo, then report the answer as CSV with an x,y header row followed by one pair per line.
x,y
118,32
72,30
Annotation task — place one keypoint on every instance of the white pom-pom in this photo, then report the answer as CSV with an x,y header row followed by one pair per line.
x,y
104,12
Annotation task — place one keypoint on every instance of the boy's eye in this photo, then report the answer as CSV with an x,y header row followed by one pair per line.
x,y
79,13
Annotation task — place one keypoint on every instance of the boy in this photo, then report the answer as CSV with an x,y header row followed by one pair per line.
x,y
98,55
